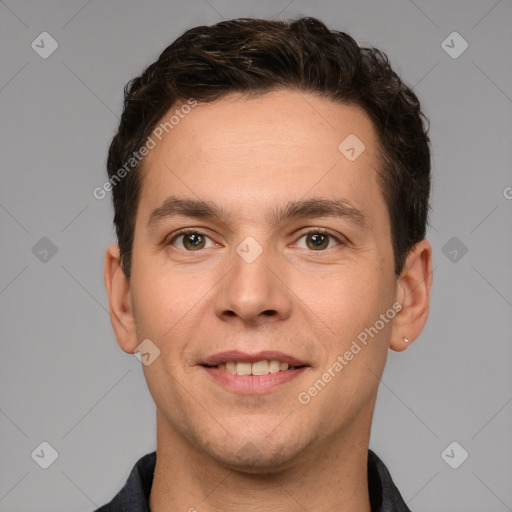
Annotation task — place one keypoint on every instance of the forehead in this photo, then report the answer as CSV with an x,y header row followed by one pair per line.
x,y
279,146
277,120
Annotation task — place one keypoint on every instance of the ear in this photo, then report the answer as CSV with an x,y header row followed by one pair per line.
x,y
413,293
119,300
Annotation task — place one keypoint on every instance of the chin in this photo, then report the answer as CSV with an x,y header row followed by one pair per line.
x,y
258,455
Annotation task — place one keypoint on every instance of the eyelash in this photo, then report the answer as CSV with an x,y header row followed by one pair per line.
x,y
188,231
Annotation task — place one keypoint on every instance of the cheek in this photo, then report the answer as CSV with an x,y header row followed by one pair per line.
x,y
154,307
354,346
163,300
352,311
347,300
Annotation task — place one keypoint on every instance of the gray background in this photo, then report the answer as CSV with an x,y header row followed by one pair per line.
x,y
63,378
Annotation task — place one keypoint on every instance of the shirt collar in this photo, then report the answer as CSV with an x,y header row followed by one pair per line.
x,y
134,496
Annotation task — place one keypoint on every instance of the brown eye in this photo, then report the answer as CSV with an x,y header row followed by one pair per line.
x,y
317,241
191,241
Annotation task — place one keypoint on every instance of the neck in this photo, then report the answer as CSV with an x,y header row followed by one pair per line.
x,y
331,476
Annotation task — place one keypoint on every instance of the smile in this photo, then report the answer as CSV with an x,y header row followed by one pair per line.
x,y
263,367
253,374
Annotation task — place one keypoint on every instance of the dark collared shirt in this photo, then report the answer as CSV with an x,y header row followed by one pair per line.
x,y
134,496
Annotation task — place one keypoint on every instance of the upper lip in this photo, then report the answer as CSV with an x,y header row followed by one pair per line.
x,y
243,357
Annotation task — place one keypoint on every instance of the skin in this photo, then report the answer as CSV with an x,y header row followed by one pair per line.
x,y
218,450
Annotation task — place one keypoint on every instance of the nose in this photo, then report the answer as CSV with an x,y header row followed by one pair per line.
x,y
255,291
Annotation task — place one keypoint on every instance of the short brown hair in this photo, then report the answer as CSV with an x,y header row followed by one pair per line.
x,y
256,56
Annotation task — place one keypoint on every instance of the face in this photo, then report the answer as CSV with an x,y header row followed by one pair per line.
x,y
289,260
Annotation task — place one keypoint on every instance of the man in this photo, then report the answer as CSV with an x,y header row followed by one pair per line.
x,y
270,183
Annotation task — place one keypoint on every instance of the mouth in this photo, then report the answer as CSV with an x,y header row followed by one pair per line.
x,y
263,367
261,363
253,373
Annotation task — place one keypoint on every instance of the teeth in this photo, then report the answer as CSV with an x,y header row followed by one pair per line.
x,y
274,366
243,368
260,368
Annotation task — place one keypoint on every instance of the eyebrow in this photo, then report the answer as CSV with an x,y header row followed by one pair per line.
x,y
316,207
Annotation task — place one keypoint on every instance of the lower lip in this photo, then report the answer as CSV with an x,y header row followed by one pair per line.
x,y
253,384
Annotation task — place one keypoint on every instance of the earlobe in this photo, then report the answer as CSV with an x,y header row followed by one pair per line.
x,y
413,294
120,300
